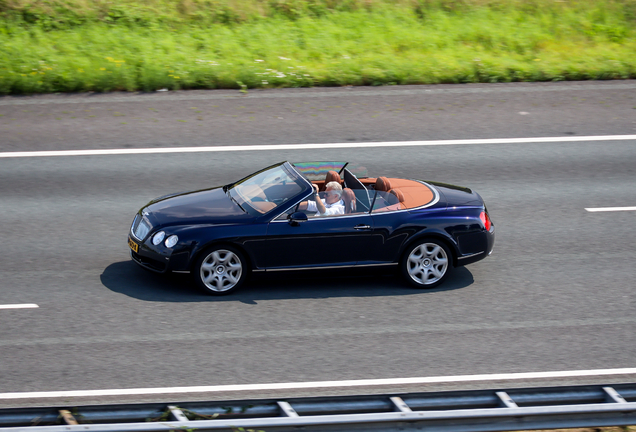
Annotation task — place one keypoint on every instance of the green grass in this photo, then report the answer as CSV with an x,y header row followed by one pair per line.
x,y
297,43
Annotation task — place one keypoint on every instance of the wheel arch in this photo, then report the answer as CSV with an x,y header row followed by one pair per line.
x,y
452,247
216,243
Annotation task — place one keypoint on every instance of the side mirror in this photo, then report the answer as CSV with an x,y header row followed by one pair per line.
x,y
296,218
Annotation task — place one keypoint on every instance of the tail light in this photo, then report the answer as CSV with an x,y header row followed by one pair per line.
x,y
485,219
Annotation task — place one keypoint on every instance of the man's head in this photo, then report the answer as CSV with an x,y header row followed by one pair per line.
x,y
333,192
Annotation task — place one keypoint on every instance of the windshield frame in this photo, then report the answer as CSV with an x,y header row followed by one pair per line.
x,y
249,207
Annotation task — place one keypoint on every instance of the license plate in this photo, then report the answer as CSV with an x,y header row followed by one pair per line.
x,y
134,246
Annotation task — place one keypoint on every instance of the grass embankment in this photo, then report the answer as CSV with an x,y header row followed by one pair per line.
x,y
82,45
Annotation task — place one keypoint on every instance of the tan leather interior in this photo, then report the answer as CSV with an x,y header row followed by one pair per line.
x,y
414,193
398,194
262,206
383,184
349,199
331,176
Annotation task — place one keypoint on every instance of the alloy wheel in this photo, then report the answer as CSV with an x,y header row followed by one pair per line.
x,y
427,263
221,270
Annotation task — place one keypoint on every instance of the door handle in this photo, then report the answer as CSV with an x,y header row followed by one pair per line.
x,y
362,227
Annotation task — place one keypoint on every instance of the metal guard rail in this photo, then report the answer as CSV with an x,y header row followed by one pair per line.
x,y
456,411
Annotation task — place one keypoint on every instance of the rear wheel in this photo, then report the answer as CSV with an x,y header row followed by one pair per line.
x,y
220,270
427,263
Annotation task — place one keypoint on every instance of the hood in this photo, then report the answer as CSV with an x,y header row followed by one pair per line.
x,y
457,195
208,206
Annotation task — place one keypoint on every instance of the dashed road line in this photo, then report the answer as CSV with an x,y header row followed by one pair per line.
x,y
19,306
610,209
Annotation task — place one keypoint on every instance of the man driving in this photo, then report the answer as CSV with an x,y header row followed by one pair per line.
x,y
332,204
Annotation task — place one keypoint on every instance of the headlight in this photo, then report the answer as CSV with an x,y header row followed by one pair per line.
x,y
171,241
158,238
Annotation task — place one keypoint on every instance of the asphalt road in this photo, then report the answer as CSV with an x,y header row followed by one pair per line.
x,y
557,293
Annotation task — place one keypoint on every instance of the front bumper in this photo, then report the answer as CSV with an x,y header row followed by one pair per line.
x,y
149,263
156,260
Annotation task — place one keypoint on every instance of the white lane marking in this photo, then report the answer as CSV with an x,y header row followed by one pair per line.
x,y
19,306
279,147
317,384
610,209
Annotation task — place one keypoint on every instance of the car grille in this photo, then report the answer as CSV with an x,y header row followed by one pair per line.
x,y
140,227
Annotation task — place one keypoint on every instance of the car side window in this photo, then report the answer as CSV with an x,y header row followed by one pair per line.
x,y
286,214
362,200
385,201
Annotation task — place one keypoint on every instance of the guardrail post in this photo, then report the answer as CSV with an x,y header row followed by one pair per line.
x,y
506,400
287,409
400,405
612,395
68,417
177,414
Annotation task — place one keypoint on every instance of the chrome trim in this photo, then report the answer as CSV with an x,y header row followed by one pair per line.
x,y
181,271
327,217
435,200
471,255
307,268
328,267
133,228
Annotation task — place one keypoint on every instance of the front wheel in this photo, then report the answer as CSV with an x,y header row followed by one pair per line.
x,y
220,270
426,264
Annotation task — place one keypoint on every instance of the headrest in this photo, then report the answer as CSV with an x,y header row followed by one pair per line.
x,y
332,176
349,199
382,184
398,193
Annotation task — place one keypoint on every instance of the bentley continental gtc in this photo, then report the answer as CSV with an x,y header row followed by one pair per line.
x,y
312,215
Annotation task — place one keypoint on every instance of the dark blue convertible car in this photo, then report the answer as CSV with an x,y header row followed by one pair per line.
x,y
263,223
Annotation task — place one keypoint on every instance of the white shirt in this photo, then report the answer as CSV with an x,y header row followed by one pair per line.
x,y
330,209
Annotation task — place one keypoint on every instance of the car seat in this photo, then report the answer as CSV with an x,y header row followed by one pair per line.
x,y
382,184
349,199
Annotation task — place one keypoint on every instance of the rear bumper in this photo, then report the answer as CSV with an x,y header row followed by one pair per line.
x,y
488,243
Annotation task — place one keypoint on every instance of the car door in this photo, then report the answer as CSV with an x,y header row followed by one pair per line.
x,y
318,242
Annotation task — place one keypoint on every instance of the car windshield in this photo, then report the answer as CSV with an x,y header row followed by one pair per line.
x,y
265,190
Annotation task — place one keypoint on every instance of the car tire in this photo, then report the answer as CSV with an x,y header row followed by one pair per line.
x,y
220,270
426,263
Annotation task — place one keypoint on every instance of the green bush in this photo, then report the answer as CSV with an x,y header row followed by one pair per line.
x,y
82,45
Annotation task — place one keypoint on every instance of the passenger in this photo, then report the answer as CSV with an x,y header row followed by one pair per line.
x,y
331,205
